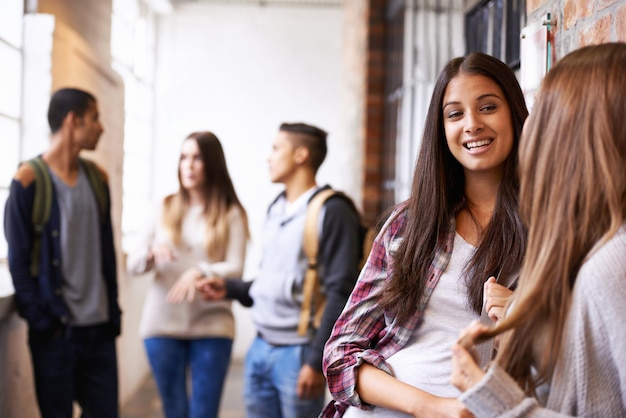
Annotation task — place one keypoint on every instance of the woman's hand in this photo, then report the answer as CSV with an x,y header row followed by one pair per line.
x,y
185,287
495,298
212,288
465,369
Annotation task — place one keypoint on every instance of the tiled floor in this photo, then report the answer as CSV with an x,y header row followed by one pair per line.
x,y
146,403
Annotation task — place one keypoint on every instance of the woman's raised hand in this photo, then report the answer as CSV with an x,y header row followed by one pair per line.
x,y
495,298
465,369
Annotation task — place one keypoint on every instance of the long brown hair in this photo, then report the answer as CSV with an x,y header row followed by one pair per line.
x,y
438,191
572,197
219,198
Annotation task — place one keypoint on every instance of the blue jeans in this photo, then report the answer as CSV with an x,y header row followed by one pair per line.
x,y
76,364
270,378
207,360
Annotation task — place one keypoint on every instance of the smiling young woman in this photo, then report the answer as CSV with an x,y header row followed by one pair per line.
x,y
477,124
563,333
389,353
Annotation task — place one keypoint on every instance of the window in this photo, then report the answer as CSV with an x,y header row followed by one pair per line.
x,y
132,48
11,24
494,26
421,37
394,54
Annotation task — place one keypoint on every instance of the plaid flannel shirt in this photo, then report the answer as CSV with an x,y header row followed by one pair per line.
x,y
364,332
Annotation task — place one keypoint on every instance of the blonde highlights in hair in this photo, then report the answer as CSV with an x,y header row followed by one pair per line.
x,y
219,197
572,198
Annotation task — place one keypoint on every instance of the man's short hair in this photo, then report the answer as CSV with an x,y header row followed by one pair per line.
x,y
67,100
311,137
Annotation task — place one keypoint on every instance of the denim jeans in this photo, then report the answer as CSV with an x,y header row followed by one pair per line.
x,y
76,364
270,378
207,360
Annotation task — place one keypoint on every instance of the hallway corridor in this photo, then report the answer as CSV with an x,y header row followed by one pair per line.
x,y
145,402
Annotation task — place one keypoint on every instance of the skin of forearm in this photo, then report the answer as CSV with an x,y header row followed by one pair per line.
x,y
376,387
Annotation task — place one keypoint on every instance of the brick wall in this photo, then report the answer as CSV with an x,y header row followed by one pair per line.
x,y
581,22
576,23
374,114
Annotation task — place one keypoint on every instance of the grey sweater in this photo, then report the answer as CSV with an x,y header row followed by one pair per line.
x,y
276,293
590,377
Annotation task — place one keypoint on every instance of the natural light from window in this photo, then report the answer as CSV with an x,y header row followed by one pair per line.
x,y
11,24
132,48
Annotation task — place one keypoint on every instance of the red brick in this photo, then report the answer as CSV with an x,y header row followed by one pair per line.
x,y
599,32
573,10
620,23
603,4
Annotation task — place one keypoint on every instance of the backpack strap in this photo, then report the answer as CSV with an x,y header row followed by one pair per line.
x,y
313,301
97,184
42,204
41,207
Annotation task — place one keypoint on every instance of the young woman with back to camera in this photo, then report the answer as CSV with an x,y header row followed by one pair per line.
x,y
201,230
564,327
389,353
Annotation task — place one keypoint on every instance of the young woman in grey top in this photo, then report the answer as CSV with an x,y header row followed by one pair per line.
x,y
564,327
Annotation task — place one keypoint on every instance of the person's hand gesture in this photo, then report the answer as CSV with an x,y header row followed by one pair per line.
x,y
495,298
212,288
311,383
465,369
185,287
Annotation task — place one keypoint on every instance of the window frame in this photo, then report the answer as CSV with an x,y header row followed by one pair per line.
x,y
13,42
135,19
494,27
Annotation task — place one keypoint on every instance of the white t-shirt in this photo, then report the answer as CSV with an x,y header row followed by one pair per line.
x,y
426,361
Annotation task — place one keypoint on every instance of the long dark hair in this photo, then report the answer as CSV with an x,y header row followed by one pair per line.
x,y
438,192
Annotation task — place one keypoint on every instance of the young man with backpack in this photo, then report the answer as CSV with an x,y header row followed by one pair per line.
x,y
62,261
282,372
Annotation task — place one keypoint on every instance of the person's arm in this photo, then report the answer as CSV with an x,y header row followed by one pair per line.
x,y
141,258
230,267
217,288
109,266
360,330
240,291
594,342
377,387
497,394
339,255
20,235
355,355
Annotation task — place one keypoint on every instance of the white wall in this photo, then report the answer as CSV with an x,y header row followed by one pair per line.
x,y
240,71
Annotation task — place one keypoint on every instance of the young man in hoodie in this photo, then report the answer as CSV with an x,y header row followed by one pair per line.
x,y
283,368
